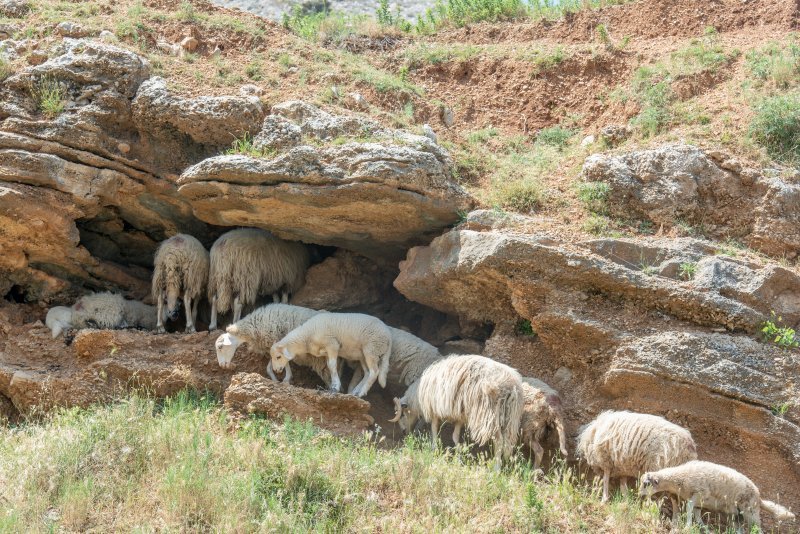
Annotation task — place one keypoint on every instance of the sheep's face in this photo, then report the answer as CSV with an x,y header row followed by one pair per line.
x,y
649,485
403,416
173,301
226,346
281,356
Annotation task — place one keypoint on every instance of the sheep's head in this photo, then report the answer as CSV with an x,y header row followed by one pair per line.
x,y
226,346
403,416
649,485
173,303
281,356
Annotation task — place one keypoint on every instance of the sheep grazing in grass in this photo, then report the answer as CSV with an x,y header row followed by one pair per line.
x,y
467,390
627,444
713,487
181,270
248,263
261,329
542,409
352,336
112,311
59,319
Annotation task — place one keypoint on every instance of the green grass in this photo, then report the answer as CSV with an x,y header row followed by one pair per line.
x,y
556,136
775,332
244,146
182,465
594,196
49,95
775,64
776,127
6,69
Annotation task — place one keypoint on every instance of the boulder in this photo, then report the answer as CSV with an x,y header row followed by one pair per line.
x,y
251,393
712,191
14,8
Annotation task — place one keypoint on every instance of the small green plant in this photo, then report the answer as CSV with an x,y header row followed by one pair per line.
x,y
776,127
602,34
594,195
253,70
482,136
244,145
186,12
5,68
50,96
647,269
524,328
654,94
773,331
524,195
556,136
780,410
597,224
687,270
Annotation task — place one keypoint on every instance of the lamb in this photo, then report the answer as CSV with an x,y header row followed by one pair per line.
x,y
180,270
626,444
467,390
542,409
263,327
59,318
111,311
249,262
352,336
714,487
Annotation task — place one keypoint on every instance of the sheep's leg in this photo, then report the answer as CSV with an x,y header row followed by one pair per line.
x,y
606,477
271,372
499,451
358,376
285,297
690,512
212,325
287,374
237,309
538,454
336,384
676,511
195,305
456,434
435,432
372,374
160,323
275,298
187,304
623,486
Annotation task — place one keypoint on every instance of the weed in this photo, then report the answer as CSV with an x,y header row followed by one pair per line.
x,y
459,13
653,93
524,328
647,269
777,65
773,331
253,70
594,195
780,410
186,12
776,127
5,68
523,195
482,136
687,270
730,247
556,136
244,145
597,224
49,94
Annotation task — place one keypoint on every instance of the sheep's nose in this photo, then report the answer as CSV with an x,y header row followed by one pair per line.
x,y
173,315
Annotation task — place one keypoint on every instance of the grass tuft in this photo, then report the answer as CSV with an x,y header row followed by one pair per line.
x,y
776,127
49,94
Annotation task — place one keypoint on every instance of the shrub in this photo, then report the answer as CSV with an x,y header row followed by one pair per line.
x,y
773,331
49,95
524,328
776,127
556,136
594,195
459,13
781,66
653,93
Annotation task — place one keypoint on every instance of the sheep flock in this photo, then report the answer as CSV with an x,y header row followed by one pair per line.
x,y
473,393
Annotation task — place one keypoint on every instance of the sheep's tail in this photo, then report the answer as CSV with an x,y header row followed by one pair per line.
x,y
777,510
383,371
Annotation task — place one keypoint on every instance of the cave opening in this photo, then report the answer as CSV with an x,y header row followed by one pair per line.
x,y
17,294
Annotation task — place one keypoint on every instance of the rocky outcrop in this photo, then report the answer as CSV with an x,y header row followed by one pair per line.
x,y
709,190
341,414
375,194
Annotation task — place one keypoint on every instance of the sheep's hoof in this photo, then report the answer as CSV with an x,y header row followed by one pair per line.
x,y
161,330
190,330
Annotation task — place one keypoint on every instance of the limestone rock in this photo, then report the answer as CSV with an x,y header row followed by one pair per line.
x,y
14,8
682,183
70,29
277,133
215,121
254,394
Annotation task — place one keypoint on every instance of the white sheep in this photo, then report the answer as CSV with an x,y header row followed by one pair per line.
x,y
352,336
713,487
626,444
180,270
59,318
260,330
467,390
111,311
542,409
247,263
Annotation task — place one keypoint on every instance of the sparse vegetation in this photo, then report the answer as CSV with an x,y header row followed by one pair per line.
x,y
556,136
687,270
652,90
775,332
183,465
780,410
524,328
776,65
594,196
5,68
244,146
49,94
776,127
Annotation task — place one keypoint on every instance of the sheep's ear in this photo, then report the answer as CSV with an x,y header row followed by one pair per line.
x,y
226,340
287,354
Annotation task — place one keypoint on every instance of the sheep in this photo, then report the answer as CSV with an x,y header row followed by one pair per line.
x,y
263,327
59,318
626,444
181,269
249,262
467,390
714,487
112,311
353,336
542,408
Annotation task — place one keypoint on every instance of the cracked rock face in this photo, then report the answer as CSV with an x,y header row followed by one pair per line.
x,y
375,198
711,191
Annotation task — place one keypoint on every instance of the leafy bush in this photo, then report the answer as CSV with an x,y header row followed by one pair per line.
x,y
776,127
652,91
594,195
781,335
524,328
556,136
780,66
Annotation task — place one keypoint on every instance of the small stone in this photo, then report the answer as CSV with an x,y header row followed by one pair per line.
x,y
8,30
37,57
250,90
168,48
189,43
108,36
124,148
448,118
428,132
588,140
70,29
357,101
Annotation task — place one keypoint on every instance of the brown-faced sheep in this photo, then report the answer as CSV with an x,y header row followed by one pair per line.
x,y
542,410
627,444
180,270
